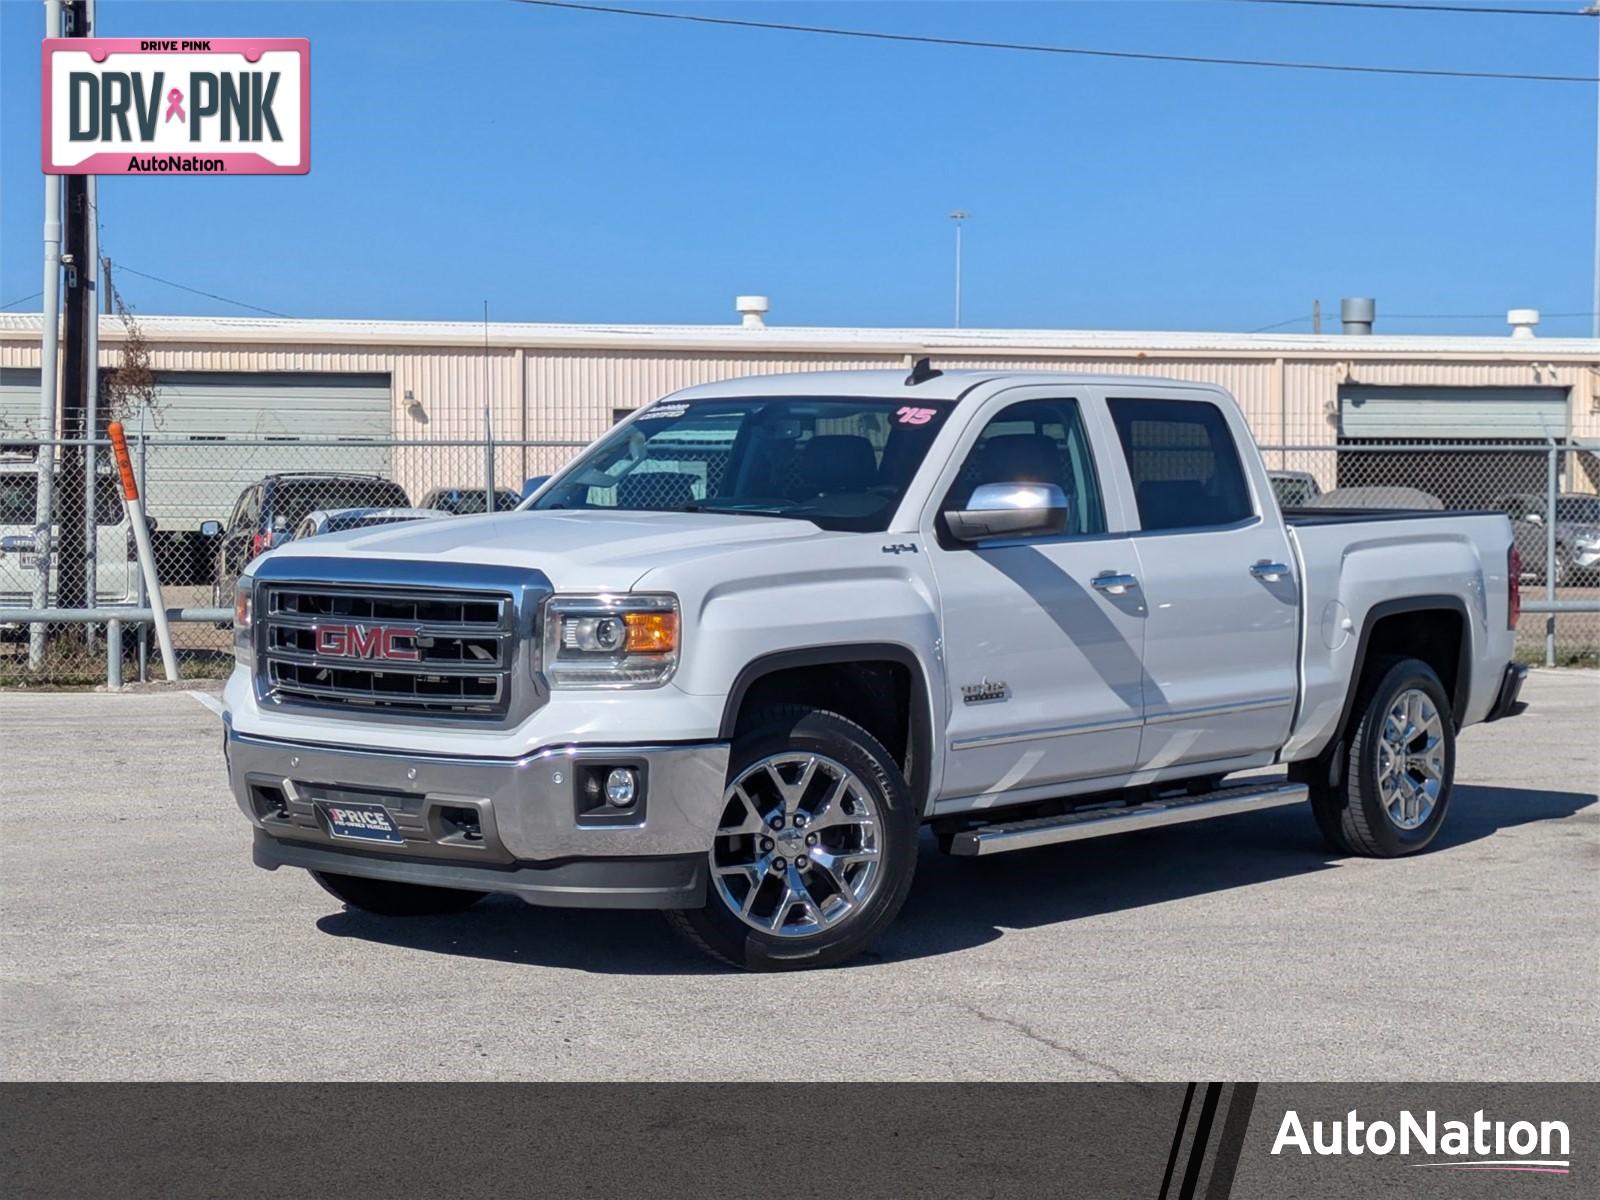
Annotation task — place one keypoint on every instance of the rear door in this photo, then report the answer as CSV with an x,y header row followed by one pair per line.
x,y
1221,647
1042,635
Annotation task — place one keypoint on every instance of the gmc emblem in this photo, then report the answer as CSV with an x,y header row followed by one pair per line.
x,y
368,641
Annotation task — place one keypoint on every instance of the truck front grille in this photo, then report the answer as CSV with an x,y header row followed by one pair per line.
x,y
391,650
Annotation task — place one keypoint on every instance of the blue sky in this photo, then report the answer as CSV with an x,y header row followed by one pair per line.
x,y
571,166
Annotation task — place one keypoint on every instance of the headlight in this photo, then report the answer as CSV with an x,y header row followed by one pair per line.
x,y
610,641
244,619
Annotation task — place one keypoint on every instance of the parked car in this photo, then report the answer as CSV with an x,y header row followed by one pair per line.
x,y
1024,608
22,541
1294,489
1393,498
1577,533
320,522
266,513
463,502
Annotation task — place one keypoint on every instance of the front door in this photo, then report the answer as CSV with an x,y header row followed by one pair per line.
x,y
1043,636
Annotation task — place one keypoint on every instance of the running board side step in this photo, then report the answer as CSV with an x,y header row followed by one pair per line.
x,y
1102,822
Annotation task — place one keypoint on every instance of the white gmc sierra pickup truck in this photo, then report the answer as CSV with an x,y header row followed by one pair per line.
x,y
730,659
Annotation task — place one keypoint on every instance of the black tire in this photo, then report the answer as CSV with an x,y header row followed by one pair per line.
x,y
721,933
389,899
1351,814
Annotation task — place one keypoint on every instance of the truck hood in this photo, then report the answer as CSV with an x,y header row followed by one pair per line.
x,y
578,550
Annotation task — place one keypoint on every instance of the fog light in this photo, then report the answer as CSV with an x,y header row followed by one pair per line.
x,y
621,787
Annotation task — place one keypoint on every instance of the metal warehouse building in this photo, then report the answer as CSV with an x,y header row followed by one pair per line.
x,y
364,383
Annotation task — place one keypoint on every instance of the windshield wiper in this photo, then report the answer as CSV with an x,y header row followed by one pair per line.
x,y
734,511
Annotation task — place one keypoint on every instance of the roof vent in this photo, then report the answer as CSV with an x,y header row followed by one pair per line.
x,y
1522,321
753,309
1358,315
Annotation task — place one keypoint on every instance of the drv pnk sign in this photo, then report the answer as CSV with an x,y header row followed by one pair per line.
x,y
177,106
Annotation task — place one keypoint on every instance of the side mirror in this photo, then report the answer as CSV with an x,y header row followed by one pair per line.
x,y
532,485
1536,518
1009,510
210,529
280,523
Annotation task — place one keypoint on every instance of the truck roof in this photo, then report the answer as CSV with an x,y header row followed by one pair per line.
x,y
891,384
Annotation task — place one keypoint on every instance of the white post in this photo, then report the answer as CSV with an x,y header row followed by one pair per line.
x,y
141,540
49,342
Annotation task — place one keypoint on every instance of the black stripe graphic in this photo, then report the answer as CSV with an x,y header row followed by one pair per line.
x,y
1177,1141
1202,1133
1231,1144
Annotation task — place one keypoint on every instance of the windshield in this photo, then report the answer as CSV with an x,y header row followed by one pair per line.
x,y
841,463
300,497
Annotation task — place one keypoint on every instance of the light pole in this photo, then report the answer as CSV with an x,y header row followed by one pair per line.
x,y
1594,11
958,217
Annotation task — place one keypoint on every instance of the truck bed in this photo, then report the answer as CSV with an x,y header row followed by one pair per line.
x,y
1346,516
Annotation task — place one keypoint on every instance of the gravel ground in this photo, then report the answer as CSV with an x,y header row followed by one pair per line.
x,y
139,943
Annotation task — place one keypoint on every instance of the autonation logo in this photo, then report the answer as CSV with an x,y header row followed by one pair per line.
x,y
1477,1145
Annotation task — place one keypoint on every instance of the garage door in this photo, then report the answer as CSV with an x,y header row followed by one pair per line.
x,y
19,405
1449,414
295,422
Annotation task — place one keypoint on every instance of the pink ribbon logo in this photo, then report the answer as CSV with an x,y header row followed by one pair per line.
x,y
175,106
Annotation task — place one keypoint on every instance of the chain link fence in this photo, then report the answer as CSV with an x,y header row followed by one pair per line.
x,y
216,503
213,505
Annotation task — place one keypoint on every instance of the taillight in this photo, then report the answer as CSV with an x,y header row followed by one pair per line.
x,y
260,542
1513,587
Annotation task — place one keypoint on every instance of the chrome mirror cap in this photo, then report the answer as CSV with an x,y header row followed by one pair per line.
x,y
1009,510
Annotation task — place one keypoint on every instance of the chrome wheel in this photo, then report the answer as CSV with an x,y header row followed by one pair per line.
x,y
799,845
1410,759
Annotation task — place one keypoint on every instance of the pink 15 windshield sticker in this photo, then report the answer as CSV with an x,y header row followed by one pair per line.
x,y
914,416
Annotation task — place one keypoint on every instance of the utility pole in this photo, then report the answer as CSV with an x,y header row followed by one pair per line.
x,y
958,217
1316,316
48,344
71,565
105,284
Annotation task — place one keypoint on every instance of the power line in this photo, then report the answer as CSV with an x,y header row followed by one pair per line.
x,y
20,300
271,312
1281,324
1134,55
1396,6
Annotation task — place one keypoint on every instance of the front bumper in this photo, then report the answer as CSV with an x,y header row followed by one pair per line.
x,y
490,824
1506,703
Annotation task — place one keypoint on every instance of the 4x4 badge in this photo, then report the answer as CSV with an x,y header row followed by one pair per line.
x,y
900,548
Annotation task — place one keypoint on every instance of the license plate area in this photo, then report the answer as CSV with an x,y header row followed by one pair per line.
x,y
359,822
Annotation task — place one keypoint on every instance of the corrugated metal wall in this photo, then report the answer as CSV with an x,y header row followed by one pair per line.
x,y
570,394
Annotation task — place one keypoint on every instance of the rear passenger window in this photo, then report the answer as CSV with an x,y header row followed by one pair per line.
x,y
1185,468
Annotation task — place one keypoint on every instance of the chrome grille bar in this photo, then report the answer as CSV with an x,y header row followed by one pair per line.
x,y
399,650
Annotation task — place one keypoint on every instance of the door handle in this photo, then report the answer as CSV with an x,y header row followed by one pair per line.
x,y
1113,582
1270,571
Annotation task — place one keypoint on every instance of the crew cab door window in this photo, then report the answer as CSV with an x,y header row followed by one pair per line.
x,y
1184,466
1036,441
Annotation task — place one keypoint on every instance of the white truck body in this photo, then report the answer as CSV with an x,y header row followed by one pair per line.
x,y
1033,668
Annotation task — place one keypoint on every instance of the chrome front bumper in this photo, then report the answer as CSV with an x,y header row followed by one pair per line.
x,y
529,837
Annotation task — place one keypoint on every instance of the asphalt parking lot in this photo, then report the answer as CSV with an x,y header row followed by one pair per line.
x,y
139,943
